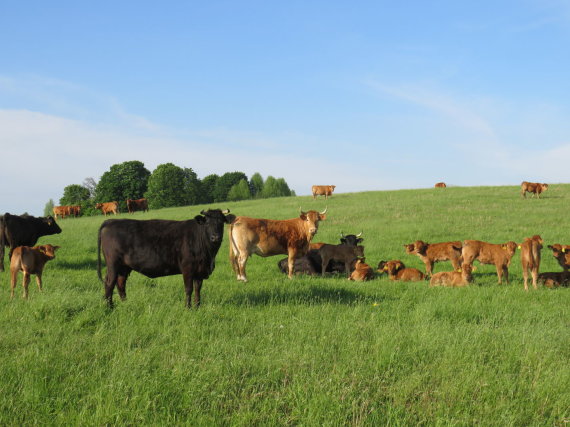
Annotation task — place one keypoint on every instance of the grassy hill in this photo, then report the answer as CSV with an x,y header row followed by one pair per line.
x,y
308,351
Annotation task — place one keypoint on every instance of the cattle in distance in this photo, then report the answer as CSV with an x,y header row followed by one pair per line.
x,y
535,188
440,185
108,207
322,190
137,205
157,248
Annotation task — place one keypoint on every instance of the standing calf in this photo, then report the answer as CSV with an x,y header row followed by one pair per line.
x,y
30,261
533,187
429,253
490,253
342,253
530,258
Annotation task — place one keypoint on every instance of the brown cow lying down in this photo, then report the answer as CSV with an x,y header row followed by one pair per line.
x,y
533,187
342,253
398,271
562,254
490,253
430,253
454,279
362,271
30,261
554,280
530,258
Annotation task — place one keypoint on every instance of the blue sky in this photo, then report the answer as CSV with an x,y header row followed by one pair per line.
x,y
364,95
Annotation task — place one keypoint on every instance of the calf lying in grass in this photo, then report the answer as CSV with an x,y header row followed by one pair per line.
x,y
362,271
398,271
555,279
454,279
30,261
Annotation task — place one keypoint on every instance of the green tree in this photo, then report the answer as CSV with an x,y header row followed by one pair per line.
x,y
167,186
225,183
282,188
48,208
270,188
192,187
207,185
240,191
127,180
74,194
256,182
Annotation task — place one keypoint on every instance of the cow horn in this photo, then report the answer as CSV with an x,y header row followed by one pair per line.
x,y
324,212
359,234
225,212
202,212
301,211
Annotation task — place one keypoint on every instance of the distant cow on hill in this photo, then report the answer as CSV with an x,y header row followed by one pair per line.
x,y
29,261
535,188
23,230
62,211
159,248
137,205
108,207
440,185
322,190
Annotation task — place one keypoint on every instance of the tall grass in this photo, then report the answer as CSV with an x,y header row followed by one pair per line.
x,y
312,350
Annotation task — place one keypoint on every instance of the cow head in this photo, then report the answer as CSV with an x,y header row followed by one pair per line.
x,y
49,226
214,220
350,239
410,248
359,251
544,187
466,272
510,247
48,250
392,267
381,267
311,221
557,249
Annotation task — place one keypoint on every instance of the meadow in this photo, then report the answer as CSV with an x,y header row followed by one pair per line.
x,y
307,351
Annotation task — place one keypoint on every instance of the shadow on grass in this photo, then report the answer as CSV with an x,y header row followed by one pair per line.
x,y
79,265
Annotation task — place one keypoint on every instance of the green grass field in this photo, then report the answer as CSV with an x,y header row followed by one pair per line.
x,y
307,351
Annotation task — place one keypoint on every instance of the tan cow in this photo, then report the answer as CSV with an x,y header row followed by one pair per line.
x,y
322,190
268,237
62,211
490,253
362,271
533,187
342,253
440,185
398,271
455,279
530,258
430,253
30,260
562,254
108,207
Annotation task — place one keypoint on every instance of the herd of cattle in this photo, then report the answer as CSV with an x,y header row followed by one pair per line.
x,y
105,208
157,248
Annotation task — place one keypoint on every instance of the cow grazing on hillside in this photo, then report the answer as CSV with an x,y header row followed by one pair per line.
x,y
440,185
562,254
530,259
62,211
554,279
75,210
137,205
362,271
430,253
23,230
268,237
108,207
30,261
490,253
342,253
398,271
158,248
322,190
455,279
535,188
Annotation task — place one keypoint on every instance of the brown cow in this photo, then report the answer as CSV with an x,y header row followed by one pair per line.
x,y
62,211
562,254
322,190
362,271
430,253
75,210
137,205
555,279
398,271
455,279
490,253
343,253
30,260
530,258
533,187
267,237
108,207
440,185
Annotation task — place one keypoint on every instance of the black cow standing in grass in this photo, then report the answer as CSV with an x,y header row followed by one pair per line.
x,y
23,230
159,248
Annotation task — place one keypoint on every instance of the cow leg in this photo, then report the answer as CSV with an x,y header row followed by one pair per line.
x,y
39,281
242,260
499,273
25,284
110,282
197,288
188,286
13,281
324,263
291,262
525,278
534,273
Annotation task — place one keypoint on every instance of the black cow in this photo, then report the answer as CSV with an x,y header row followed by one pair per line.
x,y
23,230
159,248
311,262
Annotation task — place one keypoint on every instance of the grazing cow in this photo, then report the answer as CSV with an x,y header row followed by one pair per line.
x,y
398,271
108,207
440,185
137,205
455,279
530,258
268,237
311,262
533,187
362,272
430,253
490,253
30,261
342,253
75,210
62,211
555,279
23,230
322,190
158,248
562,254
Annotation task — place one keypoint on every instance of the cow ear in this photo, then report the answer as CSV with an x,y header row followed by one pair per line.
x,y
322,217
359,240
200,219
343,241
230,218
303,216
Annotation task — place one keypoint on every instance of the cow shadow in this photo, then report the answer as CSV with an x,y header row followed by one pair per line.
x,y
79,265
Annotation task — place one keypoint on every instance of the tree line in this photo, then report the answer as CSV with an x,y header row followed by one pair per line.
x,y
167,186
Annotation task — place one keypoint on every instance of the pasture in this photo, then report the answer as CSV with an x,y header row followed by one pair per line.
x,y
308,351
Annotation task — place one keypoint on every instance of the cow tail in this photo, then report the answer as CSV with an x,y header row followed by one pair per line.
x,y
232,249
2,242
99,255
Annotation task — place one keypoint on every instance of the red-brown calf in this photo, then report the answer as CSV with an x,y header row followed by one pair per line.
x,y
398,271
362,271
562,254
455,279
430,253
30,261
490,253
530,258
